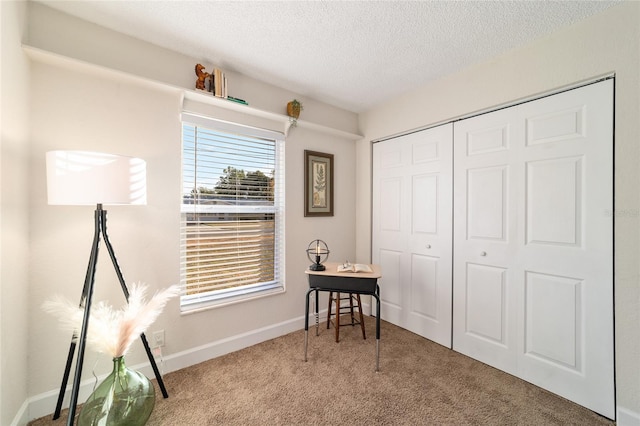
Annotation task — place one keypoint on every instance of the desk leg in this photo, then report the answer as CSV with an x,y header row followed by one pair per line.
x,y
306,323
317,313
337,320
377,332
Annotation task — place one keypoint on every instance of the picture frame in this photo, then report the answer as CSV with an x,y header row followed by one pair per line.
x,y
318,183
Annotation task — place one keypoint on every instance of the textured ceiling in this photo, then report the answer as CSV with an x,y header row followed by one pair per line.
x,y
353,54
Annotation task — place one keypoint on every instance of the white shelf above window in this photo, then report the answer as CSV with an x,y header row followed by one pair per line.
x,y
44,56
203,97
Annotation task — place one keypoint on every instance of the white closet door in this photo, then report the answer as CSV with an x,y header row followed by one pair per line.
x,y
487,184
533,238
412,220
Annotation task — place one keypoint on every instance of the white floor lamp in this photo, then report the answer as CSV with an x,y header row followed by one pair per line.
x,y
93,178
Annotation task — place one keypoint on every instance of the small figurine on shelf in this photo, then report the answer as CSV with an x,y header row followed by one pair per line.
x,y
202,77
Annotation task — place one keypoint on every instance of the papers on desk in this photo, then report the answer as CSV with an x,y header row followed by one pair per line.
x,y
356,267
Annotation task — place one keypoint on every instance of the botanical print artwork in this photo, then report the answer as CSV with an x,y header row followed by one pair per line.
x,y
319,184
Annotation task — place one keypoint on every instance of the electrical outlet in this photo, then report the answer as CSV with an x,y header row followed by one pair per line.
x,y
158,338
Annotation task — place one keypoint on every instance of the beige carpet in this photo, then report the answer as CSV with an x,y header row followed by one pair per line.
x,y
419,383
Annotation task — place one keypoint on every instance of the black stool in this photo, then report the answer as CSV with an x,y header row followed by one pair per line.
x,y
354,302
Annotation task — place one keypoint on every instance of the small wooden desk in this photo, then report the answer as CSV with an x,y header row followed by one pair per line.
x,y
345,282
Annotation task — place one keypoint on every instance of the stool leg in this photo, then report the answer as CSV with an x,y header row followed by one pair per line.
x,y
353,321
329,310
364,336
337,324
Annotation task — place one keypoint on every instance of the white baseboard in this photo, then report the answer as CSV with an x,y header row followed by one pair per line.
x,y
626,417
45,403
21,418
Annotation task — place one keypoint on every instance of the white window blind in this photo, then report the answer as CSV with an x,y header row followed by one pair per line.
x,y
232,227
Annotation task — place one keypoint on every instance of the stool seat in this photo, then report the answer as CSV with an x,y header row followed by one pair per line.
x,y
354,302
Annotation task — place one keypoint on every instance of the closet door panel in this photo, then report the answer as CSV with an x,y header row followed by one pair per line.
x,y
554,202
533,185
485,230
487,203
424,286
567,250
485,316
553,325
392,297
412,218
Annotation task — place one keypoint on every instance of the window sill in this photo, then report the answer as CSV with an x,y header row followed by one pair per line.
x,y
214,302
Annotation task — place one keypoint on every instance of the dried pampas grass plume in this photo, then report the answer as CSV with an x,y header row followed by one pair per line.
x,y
113,331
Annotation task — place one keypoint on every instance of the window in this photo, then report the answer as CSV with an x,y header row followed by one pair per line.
x,y
232,227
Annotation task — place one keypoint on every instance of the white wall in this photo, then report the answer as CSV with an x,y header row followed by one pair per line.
x,y
606,43
14,178
77,107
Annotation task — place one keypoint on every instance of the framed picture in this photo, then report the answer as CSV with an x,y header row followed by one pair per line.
x,y
318,184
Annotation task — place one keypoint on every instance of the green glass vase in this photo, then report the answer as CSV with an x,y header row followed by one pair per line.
x,y
125,398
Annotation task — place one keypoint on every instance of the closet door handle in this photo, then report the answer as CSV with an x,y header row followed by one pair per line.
x,y
428,246
483,253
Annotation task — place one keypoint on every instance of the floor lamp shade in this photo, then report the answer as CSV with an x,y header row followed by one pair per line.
x,y
90,178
